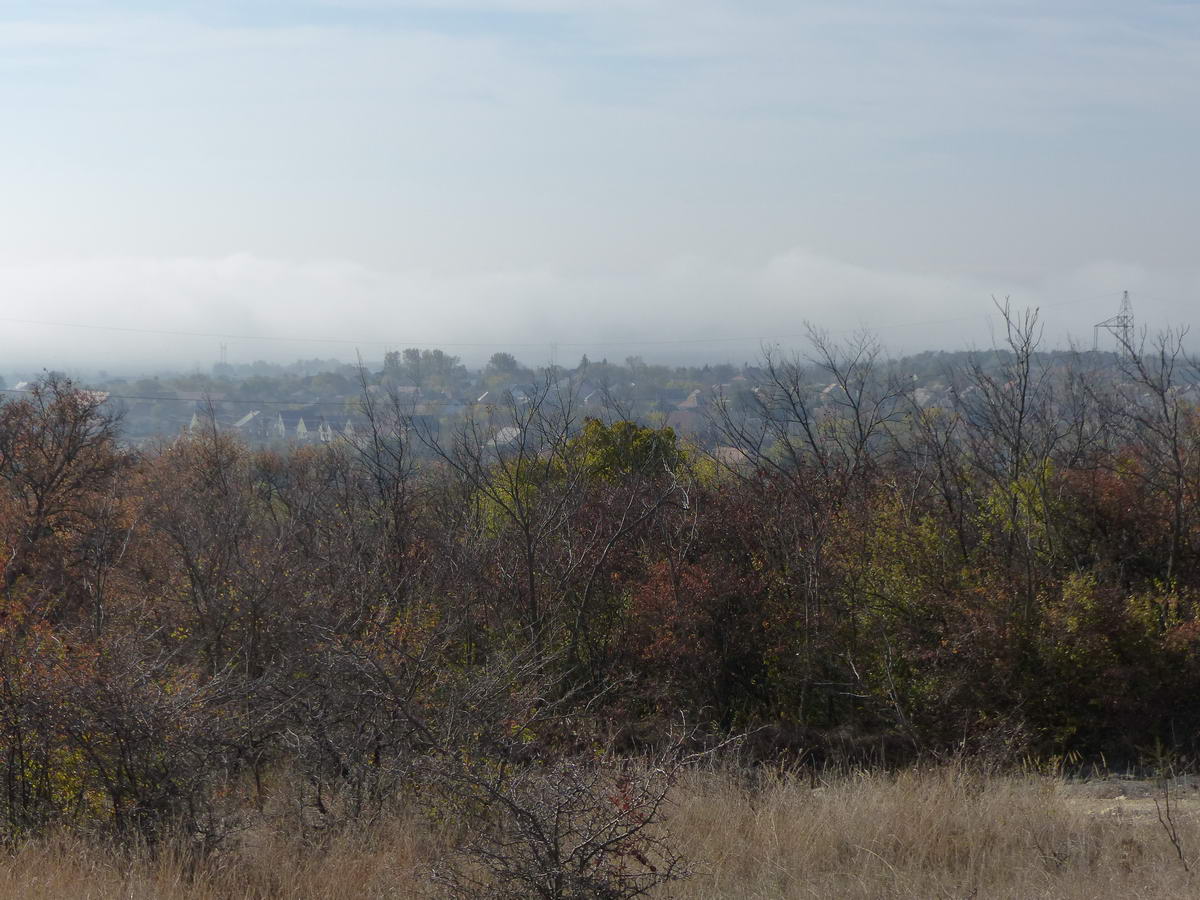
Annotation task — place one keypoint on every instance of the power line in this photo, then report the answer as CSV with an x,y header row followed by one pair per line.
x,y
379,343
632,342
201,402
261,402
179,333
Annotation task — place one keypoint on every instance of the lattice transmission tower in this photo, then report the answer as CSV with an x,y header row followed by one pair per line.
x,y
1119,326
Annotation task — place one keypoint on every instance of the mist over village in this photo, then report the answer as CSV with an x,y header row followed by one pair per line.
x,y
583,451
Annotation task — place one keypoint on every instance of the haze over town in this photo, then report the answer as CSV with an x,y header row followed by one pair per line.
x,y
684,180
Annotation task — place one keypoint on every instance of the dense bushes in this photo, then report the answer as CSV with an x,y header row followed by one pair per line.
x,y
1011,572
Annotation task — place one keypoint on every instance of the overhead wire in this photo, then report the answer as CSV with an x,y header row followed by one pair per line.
x,y
264,402
202,401
632,342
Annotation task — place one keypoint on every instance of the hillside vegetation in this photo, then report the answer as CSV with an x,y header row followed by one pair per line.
x,y
553,654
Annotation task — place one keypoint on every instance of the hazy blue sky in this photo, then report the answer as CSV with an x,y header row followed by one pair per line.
x,y
525,171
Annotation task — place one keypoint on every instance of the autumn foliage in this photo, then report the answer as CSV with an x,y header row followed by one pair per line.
x,y
1012,573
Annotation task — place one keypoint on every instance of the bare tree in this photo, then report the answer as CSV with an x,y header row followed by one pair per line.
x,y
827,414
1154,416
508,468
1012,431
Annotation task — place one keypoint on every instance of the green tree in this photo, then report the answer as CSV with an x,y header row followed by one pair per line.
x,y
626,448
503,364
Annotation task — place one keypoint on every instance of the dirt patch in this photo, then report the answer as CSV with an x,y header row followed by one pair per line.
x,y
1134,798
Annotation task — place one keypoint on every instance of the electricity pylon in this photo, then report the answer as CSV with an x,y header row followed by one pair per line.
x,y
1119,326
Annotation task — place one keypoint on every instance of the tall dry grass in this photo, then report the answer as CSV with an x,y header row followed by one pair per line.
x,y
943,833
935,833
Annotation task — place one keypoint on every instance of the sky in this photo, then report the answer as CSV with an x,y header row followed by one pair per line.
x,y
671,178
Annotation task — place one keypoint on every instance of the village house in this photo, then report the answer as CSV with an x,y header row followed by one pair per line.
x,y
290,425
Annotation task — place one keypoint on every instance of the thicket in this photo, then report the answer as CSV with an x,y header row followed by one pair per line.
x,y
484,629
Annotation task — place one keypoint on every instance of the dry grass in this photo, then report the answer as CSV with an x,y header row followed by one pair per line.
x,y
920,834
928,834
386,863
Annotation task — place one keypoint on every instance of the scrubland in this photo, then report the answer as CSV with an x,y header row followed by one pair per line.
x,y
921,833
551,653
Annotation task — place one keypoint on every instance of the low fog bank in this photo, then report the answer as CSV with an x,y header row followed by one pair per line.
x,y
126,315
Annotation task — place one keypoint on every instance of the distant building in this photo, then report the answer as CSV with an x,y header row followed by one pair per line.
x,y
290,425
689,424
505,438
205,421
